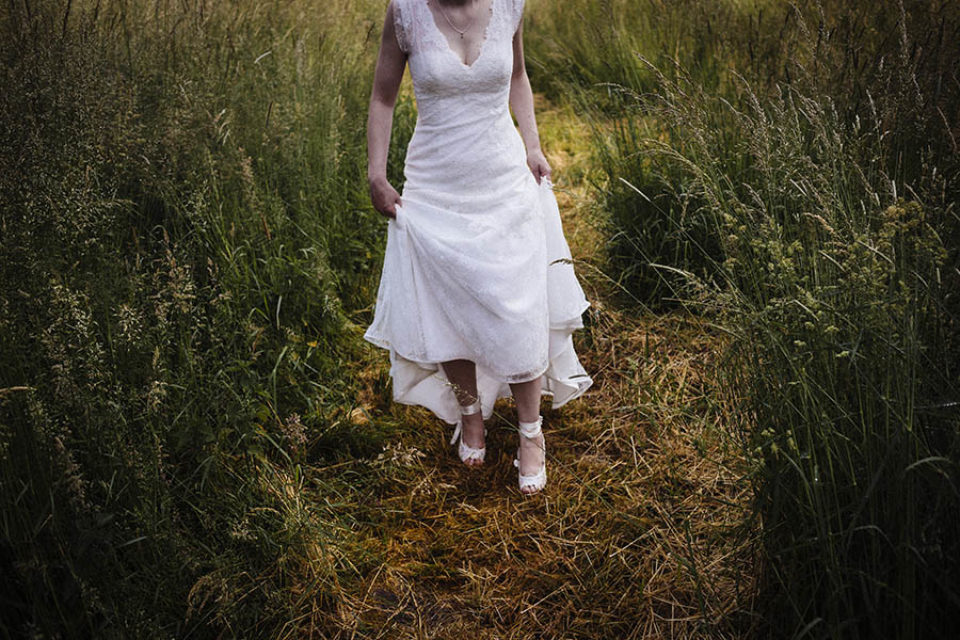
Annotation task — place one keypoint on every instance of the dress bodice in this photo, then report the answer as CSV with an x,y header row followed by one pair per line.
x,y
448,91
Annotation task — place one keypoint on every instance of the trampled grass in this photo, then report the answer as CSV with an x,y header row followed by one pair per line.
x,y
640,534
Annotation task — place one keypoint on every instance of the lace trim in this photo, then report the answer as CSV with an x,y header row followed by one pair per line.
x,y
430,36
398,27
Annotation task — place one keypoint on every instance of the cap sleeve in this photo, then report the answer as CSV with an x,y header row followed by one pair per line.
x,y
517,13
398,26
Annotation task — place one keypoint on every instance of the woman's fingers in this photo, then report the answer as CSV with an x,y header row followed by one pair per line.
x,y
537,170
385,200
543,171
538,165
393,205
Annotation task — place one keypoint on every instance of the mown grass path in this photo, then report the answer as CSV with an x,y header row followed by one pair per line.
x,y
637,534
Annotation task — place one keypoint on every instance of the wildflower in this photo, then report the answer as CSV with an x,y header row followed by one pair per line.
x,y
294,431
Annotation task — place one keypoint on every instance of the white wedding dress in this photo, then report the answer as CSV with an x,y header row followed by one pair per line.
x,y
476,264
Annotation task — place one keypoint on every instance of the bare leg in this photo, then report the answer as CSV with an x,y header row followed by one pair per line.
x,y
527,397
462,374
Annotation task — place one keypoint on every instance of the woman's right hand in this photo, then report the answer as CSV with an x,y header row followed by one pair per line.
x,y
384,197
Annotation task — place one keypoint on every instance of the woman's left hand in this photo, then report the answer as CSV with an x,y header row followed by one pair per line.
x,y
538,165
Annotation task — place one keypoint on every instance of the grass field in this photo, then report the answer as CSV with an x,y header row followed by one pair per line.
x,y
195,441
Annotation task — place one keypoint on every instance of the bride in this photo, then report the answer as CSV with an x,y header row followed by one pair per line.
x,y
478,297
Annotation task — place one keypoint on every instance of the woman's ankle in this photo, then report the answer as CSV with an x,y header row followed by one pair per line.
x,y
473,429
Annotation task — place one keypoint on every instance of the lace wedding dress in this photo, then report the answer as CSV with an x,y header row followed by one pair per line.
x,y
476,264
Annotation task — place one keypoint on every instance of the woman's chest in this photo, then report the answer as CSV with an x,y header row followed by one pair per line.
x,y
438,68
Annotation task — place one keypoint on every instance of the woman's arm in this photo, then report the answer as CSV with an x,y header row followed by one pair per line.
x,y
386,83
521,101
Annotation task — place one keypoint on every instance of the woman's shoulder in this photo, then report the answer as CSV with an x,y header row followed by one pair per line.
x,y
396,7
403,9
402,6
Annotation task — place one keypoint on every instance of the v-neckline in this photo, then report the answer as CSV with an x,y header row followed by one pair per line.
x,y
483,41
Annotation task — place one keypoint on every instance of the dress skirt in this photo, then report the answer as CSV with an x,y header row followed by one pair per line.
x,y
499,290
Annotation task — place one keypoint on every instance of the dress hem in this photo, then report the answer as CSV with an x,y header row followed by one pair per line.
x,y
423,383
568,327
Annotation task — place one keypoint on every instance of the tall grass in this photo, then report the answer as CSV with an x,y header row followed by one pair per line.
x,y
610,75
812,212
184,233
845,351
585,43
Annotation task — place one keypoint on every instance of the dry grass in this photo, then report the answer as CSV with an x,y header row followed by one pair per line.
x,y
639,533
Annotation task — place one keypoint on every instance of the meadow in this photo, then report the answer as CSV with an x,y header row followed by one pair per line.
x,y
195,441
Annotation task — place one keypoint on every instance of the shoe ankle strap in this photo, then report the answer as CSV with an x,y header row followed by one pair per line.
x,y
531,429
470,409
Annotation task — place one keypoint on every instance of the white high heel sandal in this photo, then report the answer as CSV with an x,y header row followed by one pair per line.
x,y
465,451
538,480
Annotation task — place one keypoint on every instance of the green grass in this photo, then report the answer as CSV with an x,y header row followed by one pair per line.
x,y
808,206
185,233
195,440
843,347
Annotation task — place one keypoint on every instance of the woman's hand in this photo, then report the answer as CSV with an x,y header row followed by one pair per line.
x,y
538,165
384,197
